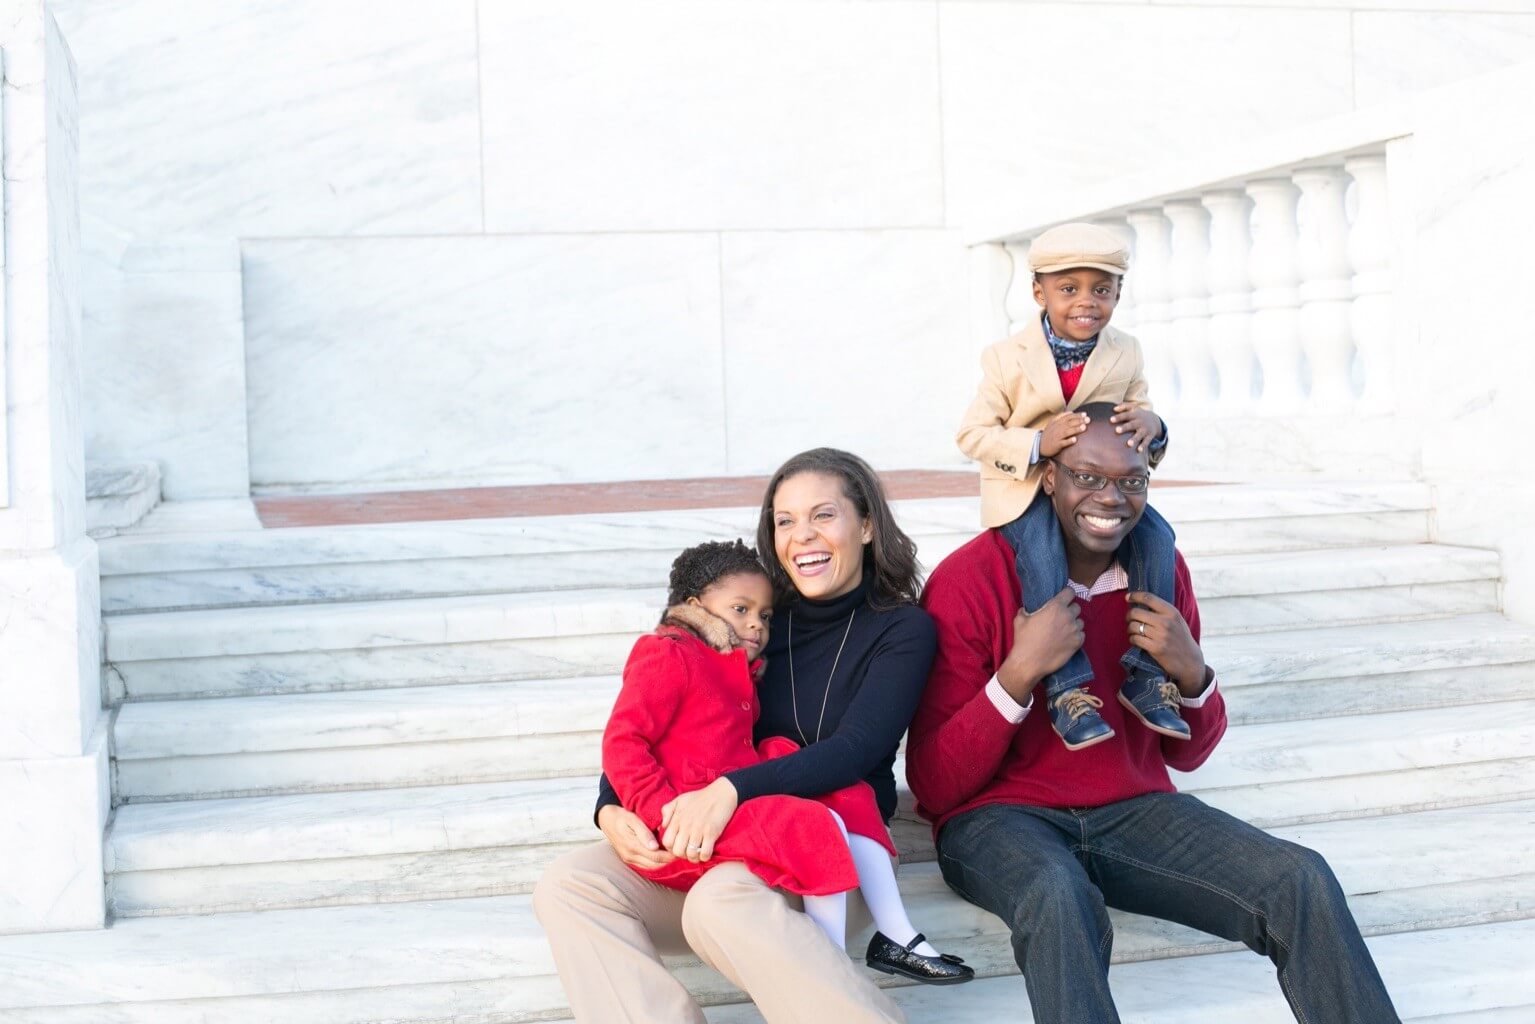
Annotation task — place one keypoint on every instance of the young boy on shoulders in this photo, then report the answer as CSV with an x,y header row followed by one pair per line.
x,y
1024,415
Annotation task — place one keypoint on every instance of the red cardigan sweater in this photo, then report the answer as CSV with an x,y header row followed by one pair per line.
x,y
962,754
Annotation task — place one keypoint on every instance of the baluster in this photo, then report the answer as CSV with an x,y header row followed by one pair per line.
x,y
1153,251
1191,304
1369,250
1020,302
1326,288
1124,311
1275,275
1231,300
990,274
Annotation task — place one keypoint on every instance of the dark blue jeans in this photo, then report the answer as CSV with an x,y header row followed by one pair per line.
x,y
1146,554
1050,874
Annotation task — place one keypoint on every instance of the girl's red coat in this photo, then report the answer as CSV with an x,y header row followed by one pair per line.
x,y
683,718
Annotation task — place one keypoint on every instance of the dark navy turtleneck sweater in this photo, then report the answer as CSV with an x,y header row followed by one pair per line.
x,y
869,702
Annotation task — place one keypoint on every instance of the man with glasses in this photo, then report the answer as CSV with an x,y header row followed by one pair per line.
x,y
1047,839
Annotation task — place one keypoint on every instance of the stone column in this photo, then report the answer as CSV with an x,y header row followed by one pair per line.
x,y
1153,308
1231,298
54,786
1369,250
1276,294
1326,288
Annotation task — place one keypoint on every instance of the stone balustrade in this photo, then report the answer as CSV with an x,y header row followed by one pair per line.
x,y
1267,290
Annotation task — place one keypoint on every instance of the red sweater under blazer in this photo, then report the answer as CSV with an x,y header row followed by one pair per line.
x,y
962,754
683,718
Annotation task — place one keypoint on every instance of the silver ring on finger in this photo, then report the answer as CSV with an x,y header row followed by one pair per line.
x,y
695,849
1143,628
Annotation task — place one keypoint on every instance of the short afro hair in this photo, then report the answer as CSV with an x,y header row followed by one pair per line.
x,y
703,565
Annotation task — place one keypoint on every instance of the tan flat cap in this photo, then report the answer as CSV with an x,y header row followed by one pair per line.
x,y
1078,244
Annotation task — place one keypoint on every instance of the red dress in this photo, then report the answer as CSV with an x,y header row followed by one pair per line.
x,y
683,718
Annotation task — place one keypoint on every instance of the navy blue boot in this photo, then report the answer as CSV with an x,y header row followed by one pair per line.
x,y
1074,714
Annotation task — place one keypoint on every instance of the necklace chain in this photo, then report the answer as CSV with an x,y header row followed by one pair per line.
x,y
794,690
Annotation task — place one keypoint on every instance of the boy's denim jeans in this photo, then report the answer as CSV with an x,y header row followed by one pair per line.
x,y
1049,874
1146,554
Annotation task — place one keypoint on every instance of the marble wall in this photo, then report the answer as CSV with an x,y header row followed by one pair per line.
x,y
1474,159
456,199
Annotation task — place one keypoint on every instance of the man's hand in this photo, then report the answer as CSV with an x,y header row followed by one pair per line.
x,y
1157,628
694,821
1042,643
1143,425
635,844
1061,433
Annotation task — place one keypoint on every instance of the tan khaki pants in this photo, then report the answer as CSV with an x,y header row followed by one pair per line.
x,y
608,928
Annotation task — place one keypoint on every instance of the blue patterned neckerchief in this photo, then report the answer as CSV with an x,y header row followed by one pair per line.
x,y
1068,354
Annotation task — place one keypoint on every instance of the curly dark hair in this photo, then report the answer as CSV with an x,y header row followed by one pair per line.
x,y
703,565
890,557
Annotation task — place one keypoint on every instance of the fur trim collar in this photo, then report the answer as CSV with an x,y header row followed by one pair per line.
x,y
708,627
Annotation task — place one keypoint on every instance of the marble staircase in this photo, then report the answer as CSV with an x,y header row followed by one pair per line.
x,y
343,756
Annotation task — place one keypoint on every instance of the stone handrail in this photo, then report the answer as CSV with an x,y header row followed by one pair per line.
x,y
1261,275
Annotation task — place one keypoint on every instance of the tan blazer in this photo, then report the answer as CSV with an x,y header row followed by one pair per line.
x,y
1020,391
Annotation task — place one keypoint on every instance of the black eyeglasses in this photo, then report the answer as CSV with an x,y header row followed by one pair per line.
x,y
1097,481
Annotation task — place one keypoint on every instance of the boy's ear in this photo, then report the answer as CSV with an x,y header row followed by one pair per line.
x,y
694,601
1039,291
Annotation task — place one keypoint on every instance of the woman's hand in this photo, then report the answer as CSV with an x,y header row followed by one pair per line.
x,y
635,844
693,821
1157,628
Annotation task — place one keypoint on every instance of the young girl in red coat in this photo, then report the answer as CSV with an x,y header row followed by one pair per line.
x,y
684,717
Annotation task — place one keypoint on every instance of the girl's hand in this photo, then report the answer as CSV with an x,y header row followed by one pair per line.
x,y
1143,425
635,844
1157,628
694,821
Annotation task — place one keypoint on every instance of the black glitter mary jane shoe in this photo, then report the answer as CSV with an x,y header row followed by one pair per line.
x,y
943,969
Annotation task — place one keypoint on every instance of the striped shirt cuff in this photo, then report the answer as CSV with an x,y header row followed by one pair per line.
x,y
1199,702
1007,707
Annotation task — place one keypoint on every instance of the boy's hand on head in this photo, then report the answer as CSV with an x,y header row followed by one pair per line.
x,y
1061,433
1143,425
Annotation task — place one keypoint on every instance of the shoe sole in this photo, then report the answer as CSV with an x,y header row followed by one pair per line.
x,y
1170,734
917,977
1092,742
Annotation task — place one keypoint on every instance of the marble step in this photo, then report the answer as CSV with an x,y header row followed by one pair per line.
x,y
1443,976
160,571
479,732
485,958
483,838
588,632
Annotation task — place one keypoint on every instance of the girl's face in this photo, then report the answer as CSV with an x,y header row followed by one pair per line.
x,y
818,535
745,600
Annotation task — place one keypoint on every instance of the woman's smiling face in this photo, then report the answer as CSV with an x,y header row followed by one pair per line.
x,y
818,535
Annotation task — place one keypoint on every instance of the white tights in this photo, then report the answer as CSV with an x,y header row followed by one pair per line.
x,y
876,878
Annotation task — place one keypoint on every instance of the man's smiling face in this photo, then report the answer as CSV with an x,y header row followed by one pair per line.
x,y
1094,523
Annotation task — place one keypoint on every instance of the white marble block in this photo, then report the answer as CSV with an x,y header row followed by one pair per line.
x,y
855,340
483,360
164,340
50,651
278,117
710,114
52,813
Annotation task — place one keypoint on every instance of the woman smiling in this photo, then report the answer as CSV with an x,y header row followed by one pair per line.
x,y
846,662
